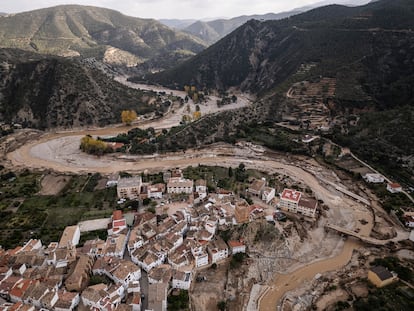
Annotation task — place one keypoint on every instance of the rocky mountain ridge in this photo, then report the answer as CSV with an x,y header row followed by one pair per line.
x,y
74,30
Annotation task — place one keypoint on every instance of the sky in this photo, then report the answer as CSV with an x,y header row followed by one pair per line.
x,y
180,9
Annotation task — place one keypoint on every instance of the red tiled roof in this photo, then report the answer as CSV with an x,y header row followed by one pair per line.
x,y
117,215
119,223
20,288
16,306
15,250
235,243
394,185
136,299
291,195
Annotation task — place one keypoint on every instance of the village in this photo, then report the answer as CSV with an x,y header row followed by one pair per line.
x,y
170,242
170,245
167,236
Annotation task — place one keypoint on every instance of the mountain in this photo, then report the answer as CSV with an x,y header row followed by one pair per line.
x,y
73,30
361,56
177,23
45,92
214,30
260,55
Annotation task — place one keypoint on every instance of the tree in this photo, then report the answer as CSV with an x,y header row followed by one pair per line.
x,y
93,146
128,116
196,115
195,97
221,305
186,118
241,174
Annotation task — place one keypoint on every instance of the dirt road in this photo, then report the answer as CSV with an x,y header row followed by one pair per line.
x,y
60,152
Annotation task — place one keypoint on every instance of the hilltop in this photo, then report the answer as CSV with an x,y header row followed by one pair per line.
x,y
45,92
214,30
74,30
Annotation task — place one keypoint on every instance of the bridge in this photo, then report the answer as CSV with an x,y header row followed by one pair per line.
x,y
363,238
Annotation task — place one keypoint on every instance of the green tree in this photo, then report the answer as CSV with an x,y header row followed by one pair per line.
x,y
230,172
221,305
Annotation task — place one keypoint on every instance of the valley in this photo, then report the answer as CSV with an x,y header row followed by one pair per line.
x,y
264,162
322,252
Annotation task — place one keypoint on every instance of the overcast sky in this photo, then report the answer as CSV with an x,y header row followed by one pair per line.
x,y
181,9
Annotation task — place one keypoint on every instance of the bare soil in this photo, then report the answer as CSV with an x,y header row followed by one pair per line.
x,y
205,295
52,184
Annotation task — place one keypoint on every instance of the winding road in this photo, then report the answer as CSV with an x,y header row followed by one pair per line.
x,y
60,152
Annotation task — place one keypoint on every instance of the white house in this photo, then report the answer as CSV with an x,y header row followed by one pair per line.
x,y
118,223
97,298
129,188
156,191
181,280
31,245
67,301
201,186
126,272
409,221
236,247
115,245
373,178
149,260
70,236
49,300
200,254
268,194
292,201
135,240
116,292
36,294
211,225
394,187
256,187
289,200
218,250
307,207
180,185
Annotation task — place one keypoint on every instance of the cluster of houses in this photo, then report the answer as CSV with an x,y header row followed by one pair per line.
x,y
375,178
170,248
407,217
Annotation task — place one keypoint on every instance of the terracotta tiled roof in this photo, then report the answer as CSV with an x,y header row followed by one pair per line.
x,y
291,195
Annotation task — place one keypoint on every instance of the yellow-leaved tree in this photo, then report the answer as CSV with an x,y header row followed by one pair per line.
x,y
196,115
93,146
128,116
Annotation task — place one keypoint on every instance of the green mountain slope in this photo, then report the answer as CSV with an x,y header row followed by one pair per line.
x,y
46,92
214,30
73,30
367,51
260,55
